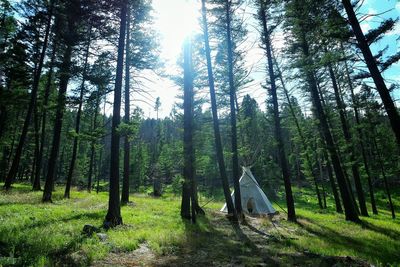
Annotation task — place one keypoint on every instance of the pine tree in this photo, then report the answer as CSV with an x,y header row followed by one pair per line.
x,y
217,134
266,40
376,75
113,217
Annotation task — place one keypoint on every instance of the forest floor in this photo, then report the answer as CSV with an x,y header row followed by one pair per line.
x,y
153,234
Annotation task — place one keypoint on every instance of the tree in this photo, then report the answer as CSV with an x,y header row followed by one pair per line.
x,y
376,75
348,138
113,217
232,99
78,115
69,37
188,210
217,134
300,22
35,86
39,157
277,123
125,181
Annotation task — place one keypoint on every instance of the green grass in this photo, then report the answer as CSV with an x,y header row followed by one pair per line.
x,y
37,234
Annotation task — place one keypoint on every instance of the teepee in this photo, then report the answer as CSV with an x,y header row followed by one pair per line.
x,y
254,200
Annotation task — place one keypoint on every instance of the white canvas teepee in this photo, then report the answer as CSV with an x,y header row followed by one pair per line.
x,y
254,200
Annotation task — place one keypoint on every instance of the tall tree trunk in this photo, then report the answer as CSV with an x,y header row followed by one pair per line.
x,y
3,164
278,131
36,182
32,102
336,197
92,145
39,158
349,209
78,119
187,210
214,110
232,96
3,115
113,217
360,138
346,176
350,148
302,138
64,78
376,75
125,181
319,159
381,164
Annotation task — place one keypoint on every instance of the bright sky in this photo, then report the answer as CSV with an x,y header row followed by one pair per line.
x,y
175,19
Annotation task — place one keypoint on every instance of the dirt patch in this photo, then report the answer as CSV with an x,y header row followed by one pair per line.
x,y
143,256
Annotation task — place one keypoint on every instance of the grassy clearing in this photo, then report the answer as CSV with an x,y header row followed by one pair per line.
x,y
37,234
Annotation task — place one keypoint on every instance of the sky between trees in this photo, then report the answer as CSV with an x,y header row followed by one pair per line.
x,y
175,19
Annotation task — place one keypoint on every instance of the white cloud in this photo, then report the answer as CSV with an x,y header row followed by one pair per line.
x,y
371,13
365,27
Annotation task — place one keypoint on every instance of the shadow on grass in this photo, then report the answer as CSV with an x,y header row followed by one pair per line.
x,y
392,233
217,242
368,249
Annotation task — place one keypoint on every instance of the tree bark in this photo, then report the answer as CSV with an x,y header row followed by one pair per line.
x,y
232,96
125,181
376,75
302,138
39,158
360,138
35,87
187,210
346,176
381,165
277,124
350,148
64,78
92,145
113,217
78,120
349,209
36,182
214,110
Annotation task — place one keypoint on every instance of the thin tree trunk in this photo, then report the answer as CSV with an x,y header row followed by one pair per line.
x,y
78,120
350,210
376,75
39,159
321,172
302,138
232,95
381,164
113,217
336,197
35,86
278,131
214,110
346,176
125,181
92,145
64,78
360,138
36,182
350,148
